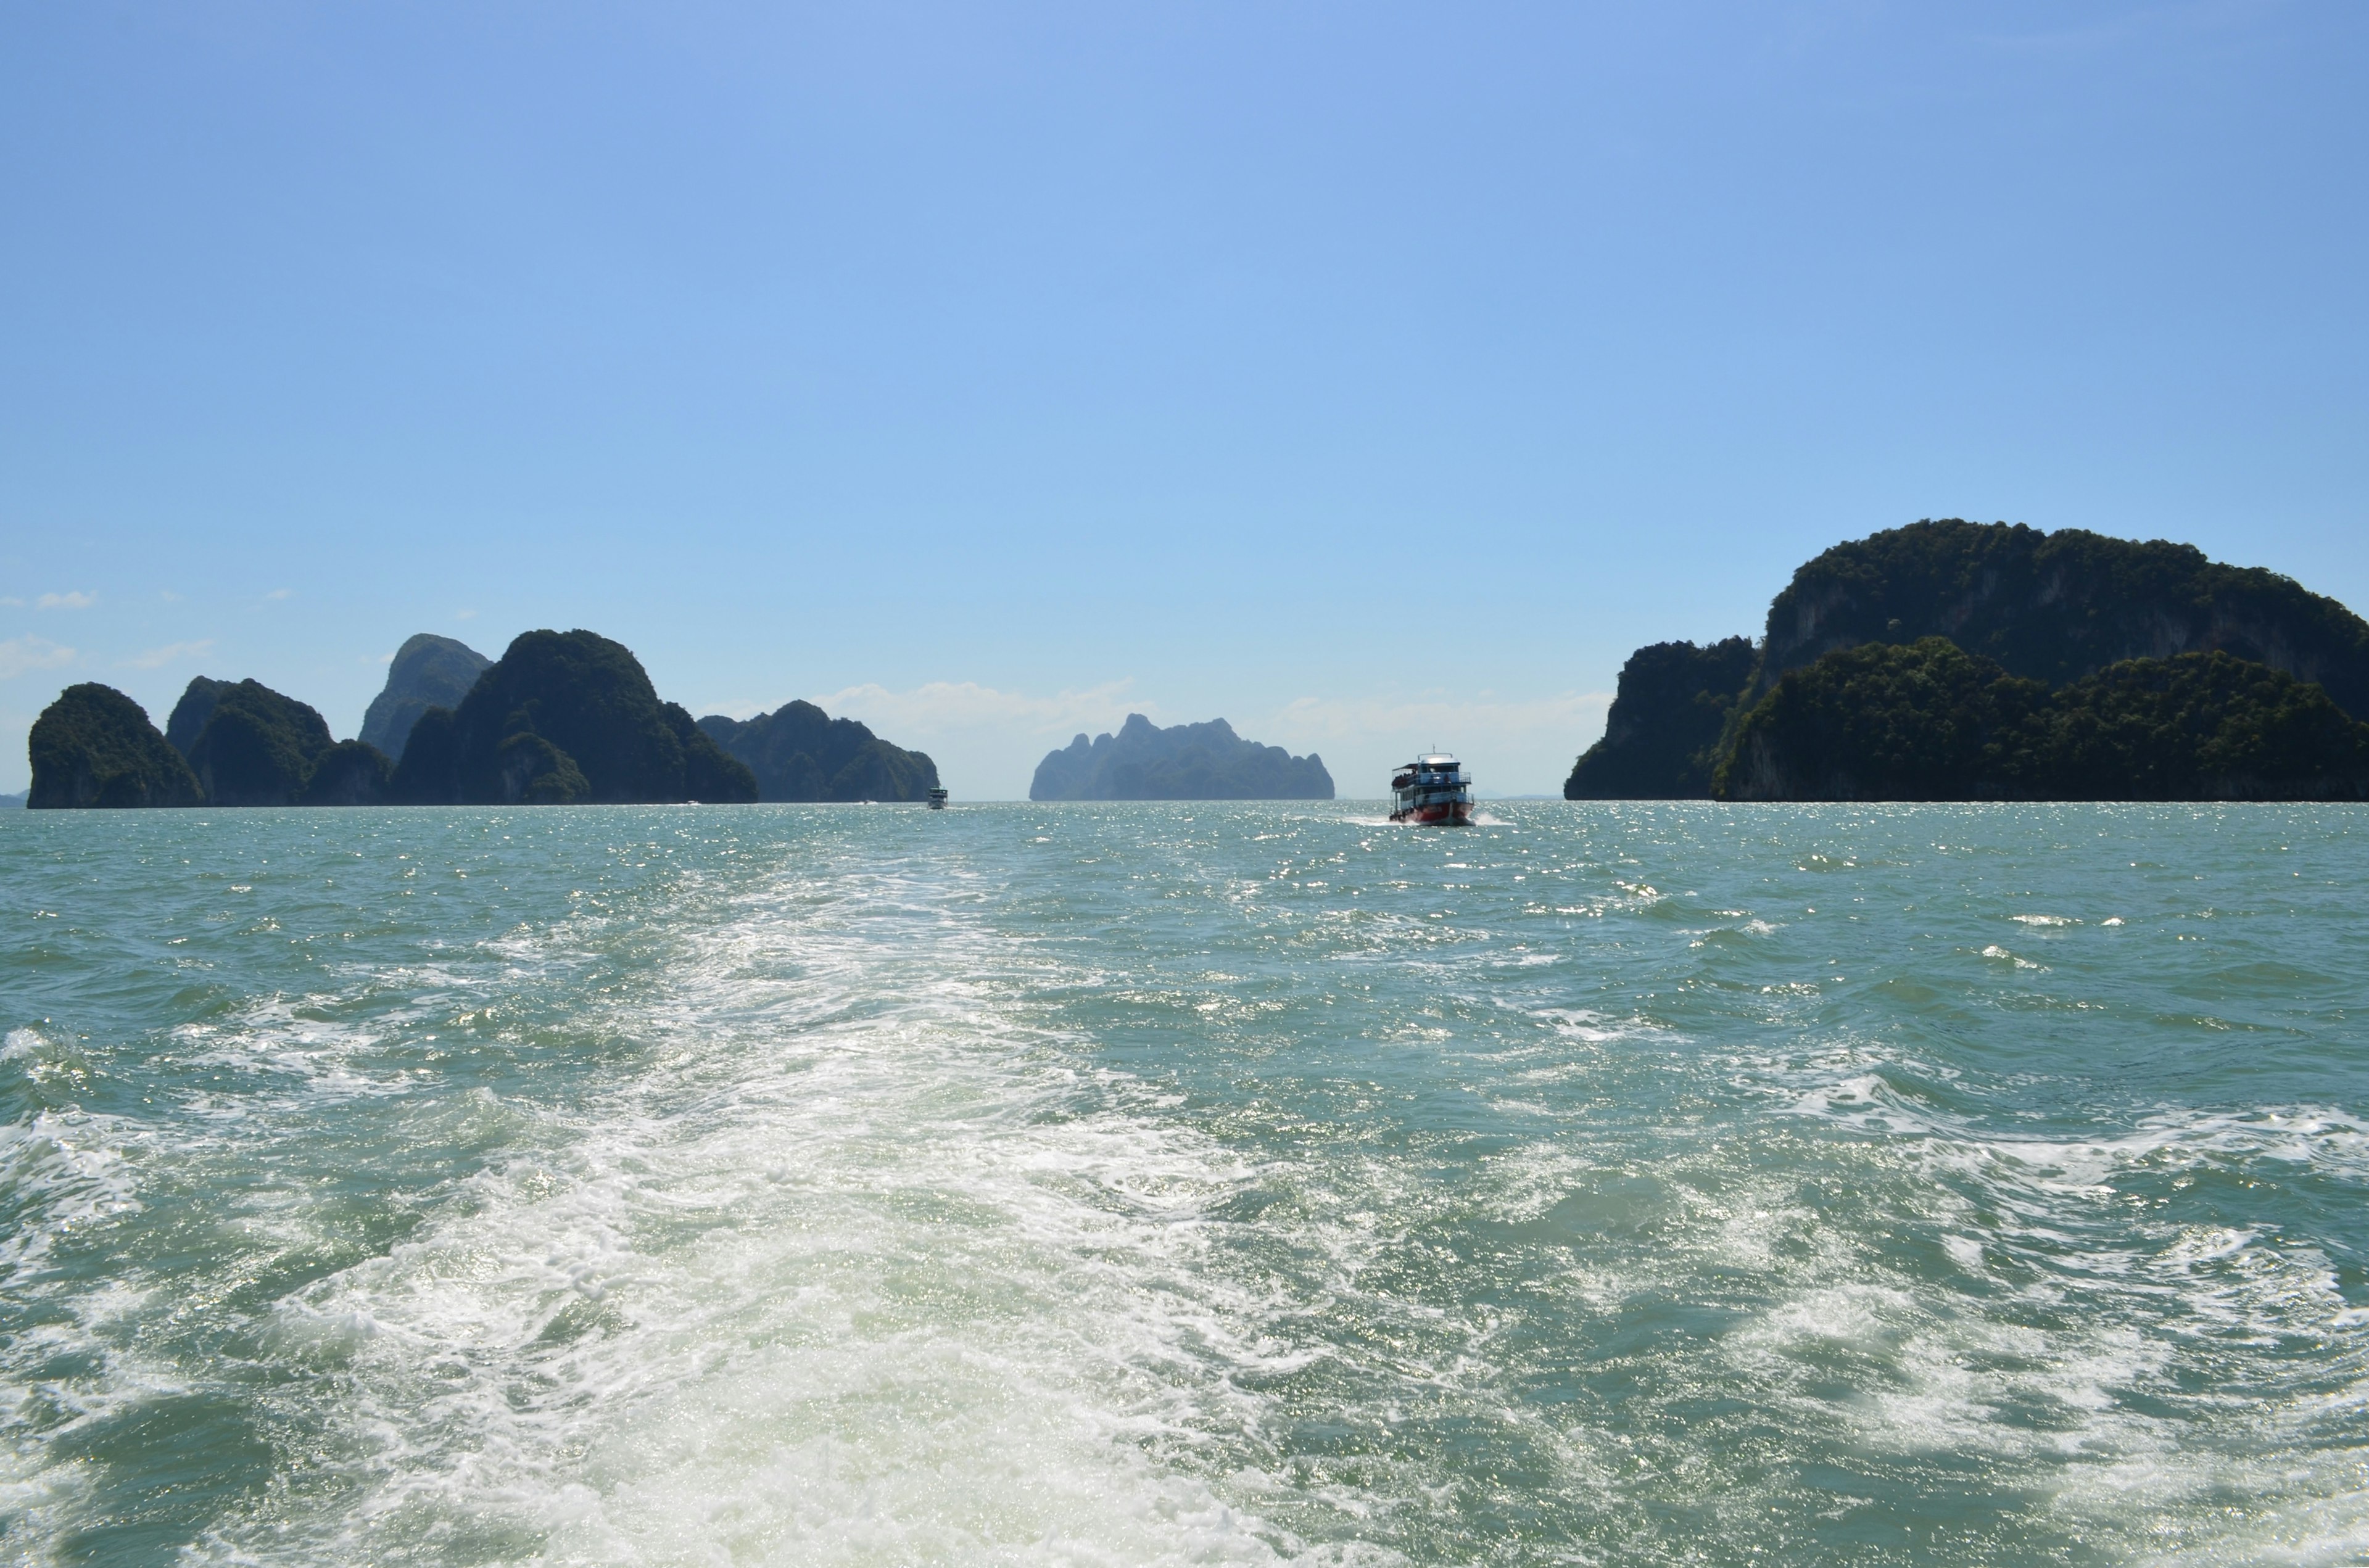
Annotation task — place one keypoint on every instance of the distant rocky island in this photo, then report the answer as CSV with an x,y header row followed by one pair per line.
x,y
561,718
1953,661
564,719
427,672
799,753
94,747
1186,762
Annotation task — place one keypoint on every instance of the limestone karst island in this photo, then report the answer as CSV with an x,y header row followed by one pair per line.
x,y
1945,660
561,717
1951,660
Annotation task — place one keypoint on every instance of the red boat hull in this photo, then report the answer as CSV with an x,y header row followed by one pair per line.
x,y
1443,813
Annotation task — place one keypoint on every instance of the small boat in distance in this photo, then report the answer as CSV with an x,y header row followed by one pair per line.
x,y
938,798
1433,789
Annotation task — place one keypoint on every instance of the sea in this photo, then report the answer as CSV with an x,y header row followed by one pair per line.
x,y
1165,1183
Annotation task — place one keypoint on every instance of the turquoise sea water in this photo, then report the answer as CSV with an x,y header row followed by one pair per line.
x,y
1186,1183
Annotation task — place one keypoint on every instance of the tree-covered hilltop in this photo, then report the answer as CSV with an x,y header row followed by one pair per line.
x,y
1929,721
2052,608
248,744
94,747
352,772
427,671
565,717
1661,737
1186,762
228,743
799,753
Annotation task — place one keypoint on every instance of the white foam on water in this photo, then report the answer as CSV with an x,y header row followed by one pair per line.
x,y
851,1259
2135,1376
859,1271
59,1170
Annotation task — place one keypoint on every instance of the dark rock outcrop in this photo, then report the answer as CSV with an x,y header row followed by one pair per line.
x,y
1186,762
799,753
561,717
1933,722
254,745
94,747
427,672
1661,737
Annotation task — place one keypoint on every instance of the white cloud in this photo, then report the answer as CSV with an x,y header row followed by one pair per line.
x,y
13,603
20,654
168,596
278,593
464,614
76,599
158,657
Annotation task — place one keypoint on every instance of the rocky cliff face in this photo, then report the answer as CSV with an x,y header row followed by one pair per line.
x,y
1186,762
799,753
94,747
427,672
1661,737
562,718
189,714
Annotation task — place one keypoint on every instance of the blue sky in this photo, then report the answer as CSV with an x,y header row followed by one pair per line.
x,y
1373,375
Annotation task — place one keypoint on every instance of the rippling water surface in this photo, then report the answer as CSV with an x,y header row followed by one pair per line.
x,y
1233,1184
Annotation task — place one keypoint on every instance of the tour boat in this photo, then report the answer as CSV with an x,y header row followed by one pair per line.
x,y
938,798
1433,789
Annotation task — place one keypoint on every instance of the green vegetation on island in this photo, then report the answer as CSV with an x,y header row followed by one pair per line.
x,y
248,744
2054,607
352,772
94,747
427,671
1186,762
564,718
1954,661
1933,722
799,753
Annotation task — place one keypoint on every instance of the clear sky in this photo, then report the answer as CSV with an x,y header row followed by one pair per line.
x,y
1372,375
